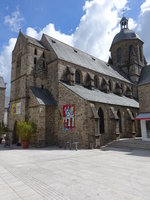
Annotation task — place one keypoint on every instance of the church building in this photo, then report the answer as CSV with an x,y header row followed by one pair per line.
x,y
71,94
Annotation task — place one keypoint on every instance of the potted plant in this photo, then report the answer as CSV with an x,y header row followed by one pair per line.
x,y
25,129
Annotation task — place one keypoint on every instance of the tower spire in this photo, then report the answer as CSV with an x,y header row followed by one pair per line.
x,y
124,23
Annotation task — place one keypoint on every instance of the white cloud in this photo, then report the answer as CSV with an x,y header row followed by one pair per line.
x,y
50,30
14,20
143,28
32,32
98,26
132,24
94,34
96,30
5,62
145,6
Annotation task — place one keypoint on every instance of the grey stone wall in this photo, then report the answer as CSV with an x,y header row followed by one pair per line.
x,y
50,134
144,98
2,104
62,66
67,97
85,121
37,114
125,51
132,64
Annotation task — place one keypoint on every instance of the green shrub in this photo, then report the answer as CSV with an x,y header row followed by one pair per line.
x,y
25,129
3,129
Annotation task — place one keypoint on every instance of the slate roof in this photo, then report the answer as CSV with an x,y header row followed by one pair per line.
x,y
2,83
125,34
145,75
34,41
101,97
78,57
43,96
143,116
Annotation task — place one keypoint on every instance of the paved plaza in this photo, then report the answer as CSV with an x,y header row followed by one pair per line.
x,y
57,174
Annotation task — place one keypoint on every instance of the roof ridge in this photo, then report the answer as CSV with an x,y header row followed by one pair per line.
x,y
25,35
32,39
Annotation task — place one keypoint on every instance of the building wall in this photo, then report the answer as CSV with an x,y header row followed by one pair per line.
x,y
37,114
130,65
2,104
85,123
125,51
51,125
144,98
144,131
62,67
53,82
67,97
18,83
23,76
111,124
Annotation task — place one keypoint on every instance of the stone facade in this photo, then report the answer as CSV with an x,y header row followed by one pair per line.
x,y
144,101
144,98
2,98
52,86
127,52
81,116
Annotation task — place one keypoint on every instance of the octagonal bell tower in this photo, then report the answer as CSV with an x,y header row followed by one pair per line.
x,y
127,52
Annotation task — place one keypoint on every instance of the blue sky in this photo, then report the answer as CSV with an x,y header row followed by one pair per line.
x,y
65,14
89,25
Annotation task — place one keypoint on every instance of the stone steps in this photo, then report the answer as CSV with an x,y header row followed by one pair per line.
x,y
135,143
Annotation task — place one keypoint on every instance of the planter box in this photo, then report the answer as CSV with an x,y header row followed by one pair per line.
x,y
25,144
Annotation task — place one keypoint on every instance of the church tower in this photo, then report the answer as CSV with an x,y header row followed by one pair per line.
x,y
127,52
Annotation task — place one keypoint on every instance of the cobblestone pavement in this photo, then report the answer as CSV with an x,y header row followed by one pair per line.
x,y
57,174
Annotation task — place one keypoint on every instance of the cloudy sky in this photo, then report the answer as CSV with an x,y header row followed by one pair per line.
x,y
88,25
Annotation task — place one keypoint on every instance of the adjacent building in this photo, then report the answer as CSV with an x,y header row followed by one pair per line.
x,y
144,101
2,98
6,110
71,94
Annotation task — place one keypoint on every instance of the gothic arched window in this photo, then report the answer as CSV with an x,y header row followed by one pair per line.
x,y
130,49
88,81
35,61
140,52
110,85
95,82
104,85
77,77
35,51
119,55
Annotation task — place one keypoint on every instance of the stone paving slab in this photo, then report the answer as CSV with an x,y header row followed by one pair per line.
x,y
57,174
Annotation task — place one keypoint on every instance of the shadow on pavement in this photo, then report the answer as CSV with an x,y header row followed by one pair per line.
x,y
50,148
129,151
